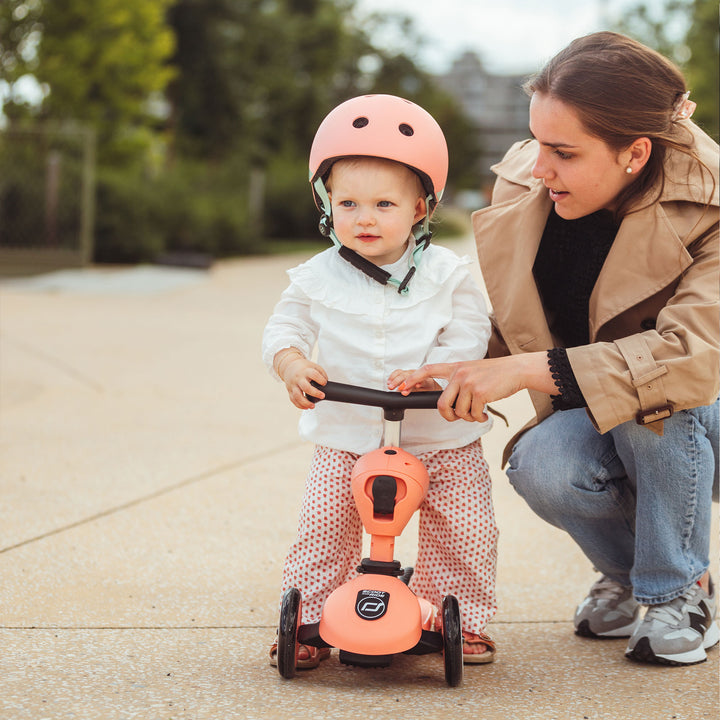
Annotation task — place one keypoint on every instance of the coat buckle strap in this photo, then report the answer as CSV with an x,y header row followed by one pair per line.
x,y
645,417
646,377
659,371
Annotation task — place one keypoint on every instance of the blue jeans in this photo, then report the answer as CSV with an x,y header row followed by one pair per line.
x,y
638,505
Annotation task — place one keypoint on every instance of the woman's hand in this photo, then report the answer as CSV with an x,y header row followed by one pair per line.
x,y
475,383
398,377
296,371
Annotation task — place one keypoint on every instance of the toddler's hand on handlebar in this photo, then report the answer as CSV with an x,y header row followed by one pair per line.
x,y
397,379
297,374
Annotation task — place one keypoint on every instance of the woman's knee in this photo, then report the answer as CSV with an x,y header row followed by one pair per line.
x,y
537,472
559,459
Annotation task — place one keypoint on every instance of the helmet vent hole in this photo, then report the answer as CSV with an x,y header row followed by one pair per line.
x,y
360,122
406,129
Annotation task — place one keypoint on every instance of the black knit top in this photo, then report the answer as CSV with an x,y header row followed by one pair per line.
x,y
567,265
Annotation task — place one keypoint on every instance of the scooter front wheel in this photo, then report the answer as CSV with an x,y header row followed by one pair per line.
x,y
287,644
452,641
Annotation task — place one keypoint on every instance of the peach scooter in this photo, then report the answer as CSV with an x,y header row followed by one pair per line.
x,y
375,615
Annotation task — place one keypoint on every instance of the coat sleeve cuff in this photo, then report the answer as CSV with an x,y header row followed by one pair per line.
x,y
570,395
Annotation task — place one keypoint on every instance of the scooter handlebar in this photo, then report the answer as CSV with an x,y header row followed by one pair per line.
x,y
340,392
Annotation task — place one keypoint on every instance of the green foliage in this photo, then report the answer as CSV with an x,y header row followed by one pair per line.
x,y
687,32
246,84
125,227
701,69
39,176
20,30
258,77
258,74
289,207
191,208
204,209
103,61
662,29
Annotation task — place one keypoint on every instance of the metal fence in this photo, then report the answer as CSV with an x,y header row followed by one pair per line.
x,y
47,188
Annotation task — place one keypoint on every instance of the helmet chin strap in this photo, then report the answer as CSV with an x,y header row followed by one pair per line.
x,y
421,233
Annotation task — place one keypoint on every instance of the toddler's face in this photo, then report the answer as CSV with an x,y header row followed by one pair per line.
x,y
375,203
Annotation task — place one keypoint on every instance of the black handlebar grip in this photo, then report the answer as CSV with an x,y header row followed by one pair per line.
x,y
340,392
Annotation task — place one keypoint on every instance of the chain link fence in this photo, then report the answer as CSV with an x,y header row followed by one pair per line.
x,y
47,179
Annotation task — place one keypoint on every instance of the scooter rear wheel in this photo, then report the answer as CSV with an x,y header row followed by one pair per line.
x,y
287,644
452,641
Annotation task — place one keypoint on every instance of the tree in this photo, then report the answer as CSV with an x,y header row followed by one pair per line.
x,y
103,61
256,75
245,85
687,32
20,30
701,68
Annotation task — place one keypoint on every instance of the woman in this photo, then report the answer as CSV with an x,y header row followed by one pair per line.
x,y
600,256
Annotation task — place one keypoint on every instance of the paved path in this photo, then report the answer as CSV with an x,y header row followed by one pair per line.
x,y
150,482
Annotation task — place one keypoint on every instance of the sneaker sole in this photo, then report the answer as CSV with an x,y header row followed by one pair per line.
x,y
642,652
583,630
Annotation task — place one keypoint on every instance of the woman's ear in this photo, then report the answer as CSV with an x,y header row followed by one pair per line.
x,y
637,154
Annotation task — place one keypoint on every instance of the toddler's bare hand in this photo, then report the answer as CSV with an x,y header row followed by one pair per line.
x,y
397,381
297,376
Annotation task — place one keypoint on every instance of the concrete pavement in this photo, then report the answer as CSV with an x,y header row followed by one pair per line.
x,y
150,479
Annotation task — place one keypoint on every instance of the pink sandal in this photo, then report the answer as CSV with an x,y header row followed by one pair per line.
x,y
473,639
434,620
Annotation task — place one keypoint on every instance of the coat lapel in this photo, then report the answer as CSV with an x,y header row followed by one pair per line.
x,y
646,256
508,236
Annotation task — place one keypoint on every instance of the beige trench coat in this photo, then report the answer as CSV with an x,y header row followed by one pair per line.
x,y
654,320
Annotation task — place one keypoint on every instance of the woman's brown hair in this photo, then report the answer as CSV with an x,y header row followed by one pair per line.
x,y
621,90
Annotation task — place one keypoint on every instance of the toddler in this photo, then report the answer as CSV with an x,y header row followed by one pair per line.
x,y
382,302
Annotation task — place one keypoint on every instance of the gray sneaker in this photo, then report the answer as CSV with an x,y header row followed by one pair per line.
x,y
609,611
677,632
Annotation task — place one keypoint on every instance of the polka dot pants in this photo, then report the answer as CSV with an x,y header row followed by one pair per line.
x,y
457,535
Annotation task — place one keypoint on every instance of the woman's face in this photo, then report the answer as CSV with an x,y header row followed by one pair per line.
x,y
581,172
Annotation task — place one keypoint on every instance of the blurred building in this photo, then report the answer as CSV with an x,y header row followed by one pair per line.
x,y
496,103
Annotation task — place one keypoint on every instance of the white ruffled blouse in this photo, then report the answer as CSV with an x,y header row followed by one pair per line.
x,y
360,331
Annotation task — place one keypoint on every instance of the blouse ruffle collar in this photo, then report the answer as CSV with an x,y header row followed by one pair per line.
x,y
332,281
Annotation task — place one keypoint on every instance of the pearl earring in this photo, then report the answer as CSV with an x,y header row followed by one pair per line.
x,y
628,170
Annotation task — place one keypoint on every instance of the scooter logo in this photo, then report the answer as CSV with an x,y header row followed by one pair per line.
x,y
372,604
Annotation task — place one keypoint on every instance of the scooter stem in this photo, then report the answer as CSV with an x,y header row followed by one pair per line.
x,y
382,548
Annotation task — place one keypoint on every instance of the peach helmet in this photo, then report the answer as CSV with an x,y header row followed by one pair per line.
x,y
388,127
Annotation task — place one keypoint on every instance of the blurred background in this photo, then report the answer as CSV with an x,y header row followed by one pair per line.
x,y
177,131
